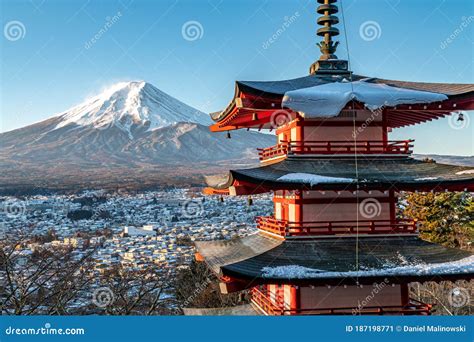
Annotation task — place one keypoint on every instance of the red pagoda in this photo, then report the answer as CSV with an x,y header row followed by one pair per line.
x,y
335,236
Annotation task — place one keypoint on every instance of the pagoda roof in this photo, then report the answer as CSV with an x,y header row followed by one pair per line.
x,y
279,88
261,259
267,97
347,173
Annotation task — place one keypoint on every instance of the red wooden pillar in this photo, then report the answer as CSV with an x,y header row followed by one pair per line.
x,y
294,299
298,206
299,135
405,294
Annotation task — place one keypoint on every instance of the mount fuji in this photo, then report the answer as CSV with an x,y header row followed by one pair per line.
x,y
131,104
132,131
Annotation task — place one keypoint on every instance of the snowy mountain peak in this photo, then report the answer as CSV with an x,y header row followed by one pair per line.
x,y
128,104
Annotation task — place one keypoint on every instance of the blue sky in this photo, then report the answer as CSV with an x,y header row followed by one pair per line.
x,y
54,65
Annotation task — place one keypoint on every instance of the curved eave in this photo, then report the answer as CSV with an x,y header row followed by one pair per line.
x,y
423,186
259,259
252,281
234,187
401,174
247,118
267,96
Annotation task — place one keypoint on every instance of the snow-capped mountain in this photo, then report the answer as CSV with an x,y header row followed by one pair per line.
x,y
131,103
131,126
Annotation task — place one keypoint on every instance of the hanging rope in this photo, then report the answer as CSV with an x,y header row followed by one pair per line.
x,y
355,138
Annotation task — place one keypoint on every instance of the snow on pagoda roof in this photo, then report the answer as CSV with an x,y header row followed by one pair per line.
x,y
463,266
329,99
312,179
284,86
333,260
434,100
340,173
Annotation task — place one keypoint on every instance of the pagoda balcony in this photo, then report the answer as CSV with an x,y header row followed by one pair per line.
x,y
306,229
399,147
274,305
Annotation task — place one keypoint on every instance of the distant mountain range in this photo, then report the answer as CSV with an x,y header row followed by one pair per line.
x,y
131,131
453,160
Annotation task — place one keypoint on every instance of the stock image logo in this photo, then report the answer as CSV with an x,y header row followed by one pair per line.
x,y
460,121
192,30
14,30
459,297
280,118
103,297
370,30
192,208
370,208
14,209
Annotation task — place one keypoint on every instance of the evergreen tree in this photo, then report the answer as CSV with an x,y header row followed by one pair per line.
x,y
445,218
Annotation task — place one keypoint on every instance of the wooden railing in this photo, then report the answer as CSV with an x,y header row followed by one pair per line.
x,y
278,150
336,147
263,301
285,228
276,307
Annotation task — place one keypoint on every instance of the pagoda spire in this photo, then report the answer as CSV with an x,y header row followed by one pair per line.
x,y
326,20
328,62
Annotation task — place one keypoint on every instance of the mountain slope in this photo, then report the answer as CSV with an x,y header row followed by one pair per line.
x,y
131,103
452,160
130,126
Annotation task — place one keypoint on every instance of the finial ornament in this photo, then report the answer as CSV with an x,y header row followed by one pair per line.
x,y
326,20
328,62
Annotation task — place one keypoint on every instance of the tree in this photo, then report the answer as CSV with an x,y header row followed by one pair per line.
x,y
144,291
46,281
196,286
445,218
61,280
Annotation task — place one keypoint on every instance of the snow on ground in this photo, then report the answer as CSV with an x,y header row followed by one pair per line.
x,y
133,231
465,172
426,178
465,265
312,179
